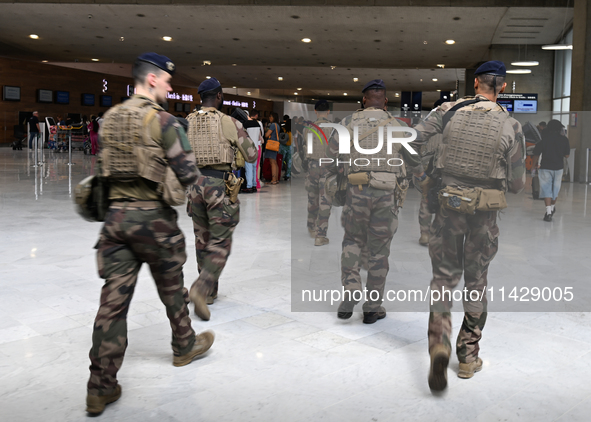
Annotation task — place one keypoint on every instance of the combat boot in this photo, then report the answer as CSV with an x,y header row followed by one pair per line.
x,y
438,372
467,369
95,405
211,298
371,317
321,241
203,342
201,309
424,239
346,309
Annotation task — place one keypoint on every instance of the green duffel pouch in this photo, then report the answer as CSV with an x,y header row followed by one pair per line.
x,y
382,180
491,200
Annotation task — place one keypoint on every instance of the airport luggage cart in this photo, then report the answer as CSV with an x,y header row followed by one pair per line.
x,y
80,139
61,139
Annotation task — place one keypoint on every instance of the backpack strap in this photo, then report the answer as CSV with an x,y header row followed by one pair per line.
x,y
450,113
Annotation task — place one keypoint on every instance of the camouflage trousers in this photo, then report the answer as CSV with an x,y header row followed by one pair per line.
x,y
134,233
319,204
460,243
214,221
424,216
370,219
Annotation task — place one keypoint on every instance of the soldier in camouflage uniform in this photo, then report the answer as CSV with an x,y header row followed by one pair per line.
x,y
370,214
467,243
141,142
214,215
319,204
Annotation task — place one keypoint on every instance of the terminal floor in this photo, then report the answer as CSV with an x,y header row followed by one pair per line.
x,y
269,363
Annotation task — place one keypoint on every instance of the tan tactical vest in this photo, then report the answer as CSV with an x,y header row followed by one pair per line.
x,y
471,146
128,150
207,138
369,123
318,146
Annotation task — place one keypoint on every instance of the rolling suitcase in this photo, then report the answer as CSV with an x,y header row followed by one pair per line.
x,y
267,175
535,187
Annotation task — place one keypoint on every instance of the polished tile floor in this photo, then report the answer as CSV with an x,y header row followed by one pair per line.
x,y
269,363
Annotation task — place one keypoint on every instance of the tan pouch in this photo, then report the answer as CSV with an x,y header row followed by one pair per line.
x,y
233,185
491,200
361,178
382,180
462,200
173,193
239,158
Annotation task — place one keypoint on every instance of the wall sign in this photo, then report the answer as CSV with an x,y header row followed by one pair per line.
x,y
44,96
182,97
11,93
62,97
237,104
105,85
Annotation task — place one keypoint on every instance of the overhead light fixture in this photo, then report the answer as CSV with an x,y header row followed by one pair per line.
x,y
344,93
206,63
234,64
557,47
208,77
355,79
519,71
295,93
397,94
34,36
434,79
438,90
167,38
43,61
234,87
450,42
299,89
525,63
280,78
306,40
441,65
248,93
333,67
121,38
95,60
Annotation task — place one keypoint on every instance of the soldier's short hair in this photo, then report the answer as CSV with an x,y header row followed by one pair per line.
x,y
373,92
212,93
141,69
322,106
487,82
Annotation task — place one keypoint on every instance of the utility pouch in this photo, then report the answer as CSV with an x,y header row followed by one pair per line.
x,y
491,200
382,180
173,193
462,200
433,196
233,184
359,179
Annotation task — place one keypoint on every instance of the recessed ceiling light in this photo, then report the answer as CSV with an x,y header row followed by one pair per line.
x,y
34,36
206,63
438,90
121,38
450,42
167,38
248,93
525,63
425,42
441,65
333,67
208,77
355,79
397,94
234,64
299,89
434,79
306,40
43,61
519,71
280,78
358,102
233,87
95,60
295,93
344,93
557,47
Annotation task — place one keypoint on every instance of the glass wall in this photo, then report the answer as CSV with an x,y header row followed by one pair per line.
x,y
562,75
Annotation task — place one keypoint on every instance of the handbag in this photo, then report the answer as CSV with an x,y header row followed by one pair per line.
x,y
273,145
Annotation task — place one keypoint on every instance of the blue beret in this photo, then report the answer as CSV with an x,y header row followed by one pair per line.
x,y
494,67
375,84
320,103
159,61
208,85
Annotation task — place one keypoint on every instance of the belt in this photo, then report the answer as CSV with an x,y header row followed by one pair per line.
x,y
218,174
136,203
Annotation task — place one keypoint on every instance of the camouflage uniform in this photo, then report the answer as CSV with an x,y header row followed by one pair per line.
x,y
214,216
461,243
319,204
370,220
427,152
140,228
